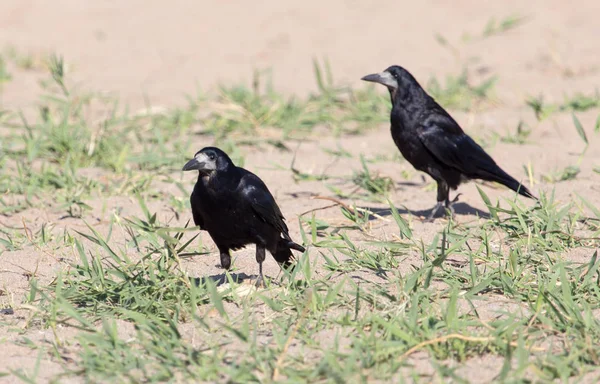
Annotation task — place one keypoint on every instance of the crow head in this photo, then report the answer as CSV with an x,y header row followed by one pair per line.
x,y
397,80
209,160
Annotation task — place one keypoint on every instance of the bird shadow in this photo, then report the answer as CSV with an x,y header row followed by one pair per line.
x,y
221,279
409,184
460,208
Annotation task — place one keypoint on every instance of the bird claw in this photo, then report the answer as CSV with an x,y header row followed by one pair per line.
x,y
429,219
434,211
448,206
455,199
260,282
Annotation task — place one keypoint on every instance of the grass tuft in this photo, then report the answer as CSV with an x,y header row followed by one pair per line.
x,y
373,299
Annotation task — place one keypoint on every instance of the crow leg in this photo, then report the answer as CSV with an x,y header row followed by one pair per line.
x,y
260,257
225,258
450,204
435,210
443,199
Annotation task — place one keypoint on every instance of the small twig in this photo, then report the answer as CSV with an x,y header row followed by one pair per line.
x,y
318,209
338,202
569,235
27,231
485,324
533,318
366,211
460,337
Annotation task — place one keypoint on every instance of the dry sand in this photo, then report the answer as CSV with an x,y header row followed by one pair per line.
x,y
160,51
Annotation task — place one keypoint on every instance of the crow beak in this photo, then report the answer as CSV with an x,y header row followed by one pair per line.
x,y
384,78
193,164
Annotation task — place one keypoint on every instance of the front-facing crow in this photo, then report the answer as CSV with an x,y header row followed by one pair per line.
x,y
237,209
430,139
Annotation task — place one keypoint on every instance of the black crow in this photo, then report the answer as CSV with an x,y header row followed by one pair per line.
x,y
430,139
237,209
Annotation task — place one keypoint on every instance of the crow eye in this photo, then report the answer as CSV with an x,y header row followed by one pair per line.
x,y
211,156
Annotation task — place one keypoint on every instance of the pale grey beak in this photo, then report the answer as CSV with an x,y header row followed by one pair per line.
x,y
384,78
193,164
201,163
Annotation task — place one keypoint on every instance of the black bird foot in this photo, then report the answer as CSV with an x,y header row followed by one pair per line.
x,y
434,212
225,260
260,282
455,199
447,204
450,206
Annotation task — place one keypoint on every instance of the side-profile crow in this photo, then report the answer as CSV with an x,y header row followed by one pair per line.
x,y
236,208
430,139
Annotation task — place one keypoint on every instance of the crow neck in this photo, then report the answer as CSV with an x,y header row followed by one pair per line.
x,y
407,95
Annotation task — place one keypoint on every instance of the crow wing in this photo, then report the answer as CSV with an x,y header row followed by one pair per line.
x,y
444,139
263,204
195,214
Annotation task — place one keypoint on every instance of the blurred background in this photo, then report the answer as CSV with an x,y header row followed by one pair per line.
x,y
162,50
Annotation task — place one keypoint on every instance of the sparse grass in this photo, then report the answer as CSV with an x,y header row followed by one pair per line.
x,y
372,183
459,93
568,173
26,60
361,302
243,111
48,153
494,27
437,306
519,136
575,103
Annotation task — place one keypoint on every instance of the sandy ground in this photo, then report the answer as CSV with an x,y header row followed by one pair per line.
x,y
159,51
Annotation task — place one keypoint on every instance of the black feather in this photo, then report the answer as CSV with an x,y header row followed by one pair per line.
x,y
237,209
433,142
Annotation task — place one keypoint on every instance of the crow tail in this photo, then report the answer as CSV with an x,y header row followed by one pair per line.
x,y
519,188
499,176
283,255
